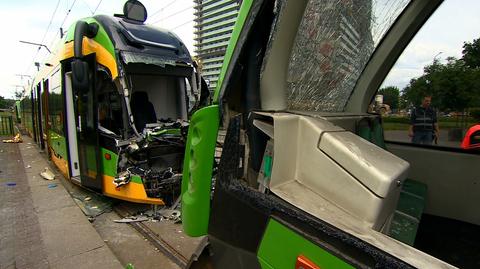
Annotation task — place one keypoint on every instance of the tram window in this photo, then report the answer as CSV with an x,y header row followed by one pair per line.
x,y
167,94
331,49
109,105
442,66
55,109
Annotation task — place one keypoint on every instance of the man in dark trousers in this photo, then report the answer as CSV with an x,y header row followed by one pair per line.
x,y
423,123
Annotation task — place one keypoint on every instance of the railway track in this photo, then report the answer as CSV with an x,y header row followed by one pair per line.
x,y
156,239
183,261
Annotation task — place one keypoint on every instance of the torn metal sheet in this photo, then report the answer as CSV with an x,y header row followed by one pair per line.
x,y
132,57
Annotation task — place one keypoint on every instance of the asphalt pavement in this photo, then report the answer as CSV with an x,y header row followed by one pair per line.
x,y
40,225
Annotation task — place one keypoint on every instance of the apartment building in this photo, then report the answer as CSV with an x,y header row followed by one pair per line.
x,y
214,21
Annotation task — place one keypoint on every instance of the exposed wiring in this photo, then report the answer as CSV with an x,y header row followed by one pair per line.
x,y
68,13
95,11
161,9
171,15
44,35
88,7
178,26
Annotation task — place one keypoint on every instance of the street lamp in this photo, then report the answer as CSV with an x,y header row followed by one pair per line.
x,y
436,55
23,75
36,44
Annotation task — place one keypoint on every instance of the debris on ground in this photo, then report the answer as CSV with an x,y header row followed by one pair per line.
x,y
16,139
28,166
47,174
91,204
132,219
11,184
52,185
170,214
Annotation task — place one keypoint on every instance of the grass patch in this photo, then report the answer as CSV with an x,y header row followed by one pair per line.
x,y
393,126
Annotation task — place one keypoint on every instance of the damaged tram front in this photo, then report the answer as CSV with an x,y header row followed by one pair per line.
x,y
120,113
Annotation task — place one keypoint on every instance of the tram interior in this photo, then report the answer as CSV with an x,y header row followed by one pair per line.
x,y
159,105
158,98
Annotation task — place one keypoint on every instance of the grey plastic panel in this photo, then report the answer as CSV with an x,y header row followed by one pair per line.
x,y
331,175
452,179
377,169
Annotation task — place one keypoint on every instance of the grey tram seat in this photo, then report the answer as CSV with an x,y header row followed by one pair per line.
x,y
143,111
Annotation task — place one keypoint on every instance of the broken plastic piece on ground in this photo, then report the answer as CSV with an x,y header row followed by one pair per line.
x,y
88,198
11,184
131,219
91,219
47,174
16,139
28,166
52,185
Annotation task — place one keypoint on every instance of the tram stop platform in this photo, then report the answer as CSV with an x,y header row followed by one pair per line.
x,y
40,224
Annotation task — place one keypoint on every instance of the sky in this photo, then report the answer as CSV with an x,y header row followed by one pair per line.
x,y
455,22
39,22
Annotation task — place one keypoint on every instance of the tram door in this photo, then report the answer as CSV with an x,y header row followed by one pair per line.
x,y
33,109
44,101
39,113
85,107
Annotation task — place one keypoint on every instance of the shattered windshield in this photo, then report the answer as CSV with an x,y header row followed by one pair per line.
x,y
132,57
334,42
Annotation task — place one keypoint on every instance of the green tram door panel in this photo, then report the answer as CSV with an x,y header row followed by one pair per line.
x,y
197,170
86,119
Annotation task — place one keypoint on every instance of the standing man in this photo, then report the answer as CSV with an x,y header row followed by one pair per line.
x,y
423,123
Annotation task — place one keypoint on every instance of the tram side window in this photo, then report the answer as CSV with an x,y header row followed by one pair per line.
x,y
55,110
440,66
109,107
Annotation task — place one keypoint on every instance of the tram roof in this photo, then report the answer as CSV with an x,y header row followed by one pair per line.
x,y
139,38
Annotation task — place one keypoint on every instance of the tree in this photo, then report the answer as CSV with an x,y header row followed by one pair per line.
x,y
391,96
454,86
6,103
19,93
471,53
